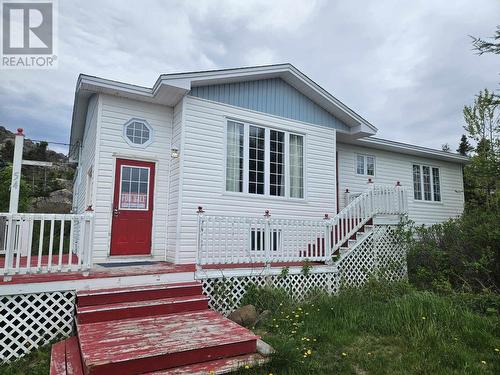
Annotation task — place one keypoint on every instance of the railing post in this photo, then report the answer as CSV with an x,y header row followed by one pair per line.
x,y
347,197
88,219
267,235
9,247
328,231
199,239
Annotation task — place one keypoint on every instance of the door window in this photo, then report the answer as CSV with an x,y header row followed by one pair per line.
x,y
134,188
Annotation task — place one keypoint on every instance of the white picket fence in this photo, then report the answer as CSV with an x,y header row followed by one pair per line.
x,y
42,243
240,240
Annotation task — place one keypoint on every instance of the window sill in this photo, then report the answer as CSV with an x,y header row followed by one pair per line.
x,y
265,197
439,203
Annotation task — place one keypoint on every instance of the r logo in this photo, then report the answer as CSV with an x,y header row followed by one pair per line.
x,y
27,28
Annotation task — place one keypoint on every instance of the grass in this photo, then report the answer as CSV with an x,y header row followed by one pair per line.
x,y
35,363
379,329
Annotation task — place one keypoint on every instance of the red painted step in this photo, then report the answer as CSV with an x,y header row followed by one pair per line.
x,y
218,366
141,345
137,293
65,358
126,310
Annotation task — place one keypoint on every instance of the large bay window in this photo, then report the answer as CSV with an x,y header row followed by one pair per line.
x,y
426,183
264,161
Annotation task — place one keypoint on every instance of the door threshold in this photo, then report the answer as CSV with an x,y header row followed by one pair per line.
x,y
128,258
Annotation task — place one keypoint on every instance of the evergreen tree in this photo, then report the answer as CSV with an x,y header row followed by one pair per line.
x,y
464,147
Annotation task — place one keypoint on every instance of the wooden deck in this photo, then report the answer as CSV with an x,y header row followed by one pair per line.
x,y
138,332
99,272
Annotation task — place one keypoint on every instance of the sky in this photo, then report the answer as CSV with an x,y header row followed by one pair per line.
x,y
406,66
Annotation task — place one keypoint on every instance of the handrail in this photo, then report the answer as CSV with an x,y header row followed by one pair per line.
x,y
42,243
266,239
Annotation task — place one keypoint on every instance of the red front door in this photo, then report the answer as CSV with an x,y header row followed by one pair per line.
x,y
132,208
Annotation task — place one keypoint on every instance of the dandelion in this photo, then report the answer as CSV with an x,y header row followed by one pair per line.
x,y
277,325
247,367
315,340
483,362
344,354
309,351
423,318
297,316
369,353
300,309
497,350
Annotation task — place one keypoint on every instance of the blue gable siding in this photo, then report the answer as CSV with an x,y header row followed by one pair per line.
x,y
273,96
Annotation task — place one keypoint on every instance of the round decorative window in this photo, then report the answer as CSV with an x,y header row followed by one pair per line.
x,y
138,133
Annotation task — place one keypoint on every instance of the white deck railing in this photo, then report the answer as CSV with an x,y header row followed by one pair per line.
x,y
42,243
240,240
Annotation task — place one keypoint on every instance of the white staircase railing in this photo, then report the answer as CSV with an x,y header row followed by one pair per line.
x,y
378,200
42,243
240,240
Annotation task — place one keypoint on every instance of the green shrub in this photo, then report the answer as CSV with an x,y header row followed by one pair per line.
x,y
459,254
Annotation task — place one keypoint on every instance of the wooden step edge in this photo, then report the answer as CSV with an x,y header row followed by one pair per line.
x,y
218,366
136,288
74,364
141,365
144,310
141,303
58,358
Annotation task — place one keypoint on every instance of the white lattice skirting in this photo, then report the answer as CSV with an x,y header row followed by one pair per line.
x,y
28,321
379,255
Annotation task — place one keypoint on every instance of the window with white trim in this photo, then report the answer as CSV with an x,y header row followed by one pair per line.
x,y
138,133
264,161
426,183
365,165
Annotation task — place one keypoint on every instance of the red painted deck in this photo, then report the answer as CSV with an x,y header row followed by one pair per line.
x,y
215,367
65,358
143,329
102,272
153,343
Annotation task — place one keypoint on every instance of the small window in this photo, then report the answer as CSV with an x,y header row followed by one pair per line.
x,y
426,183
134,189
138,133
365,165
257,240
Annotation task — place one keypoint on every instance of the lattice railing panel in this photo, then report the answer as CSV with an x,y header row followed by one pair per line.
x,y
379,255
226,292
28,321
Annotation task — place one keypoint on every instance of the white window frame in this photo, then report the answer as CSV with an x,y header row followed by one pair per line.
x,y
138,145
365,164
148,189
431,176
267,151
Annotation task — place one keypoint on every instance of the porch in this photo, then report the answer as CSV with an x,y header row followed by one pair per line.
x,y
39,247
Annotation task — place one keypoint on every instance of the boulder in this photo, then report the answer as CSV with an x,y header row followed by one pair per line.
x,y
245,315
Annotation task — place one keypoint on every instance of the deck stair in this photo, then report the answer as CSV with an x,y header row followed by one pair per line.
x,y
163,329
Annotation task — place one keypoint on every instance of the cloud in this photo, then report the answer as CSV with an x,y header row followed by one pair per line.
x,y
407,67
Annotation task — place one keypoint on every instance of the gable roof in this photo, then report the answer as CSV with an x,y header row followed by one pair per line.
x,y
170,88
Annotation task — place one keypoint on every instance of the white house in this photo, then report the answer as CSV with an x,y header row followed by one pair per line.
x,y
207,180
236,142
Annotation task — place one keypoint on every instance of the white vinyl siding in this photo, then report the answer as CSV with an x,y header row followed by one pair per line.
x,y
82,196
393,167
204,157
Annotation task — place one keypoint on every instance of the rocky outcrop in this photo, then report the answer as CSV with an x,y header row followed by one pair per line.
x,y
59,201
